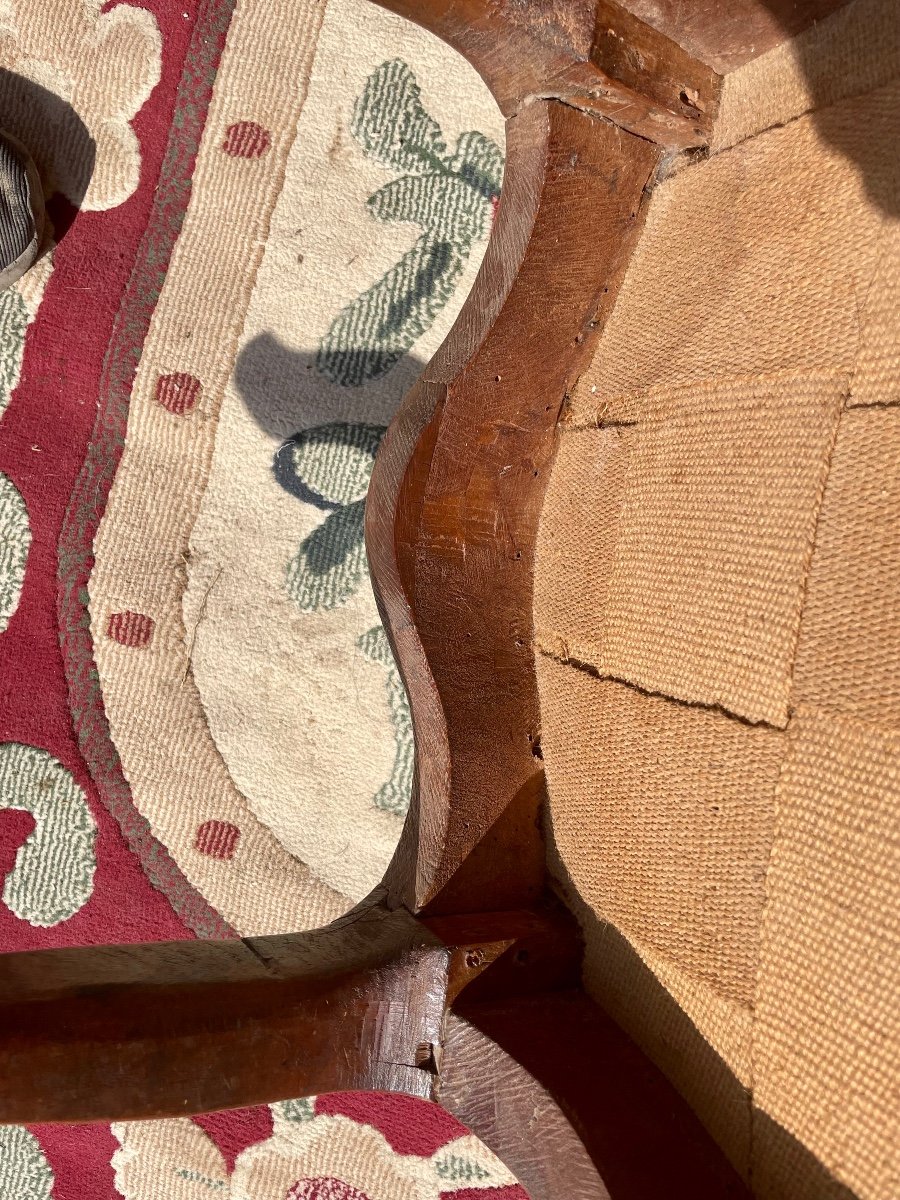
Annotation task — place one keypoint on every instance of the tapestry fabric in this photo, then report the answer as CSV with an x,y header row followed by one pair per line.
x,y
263,219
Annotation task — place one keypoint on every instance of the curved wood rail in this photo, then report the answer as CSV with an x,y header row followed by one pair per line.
x,y
479,1081
455,497
573,1107
593,55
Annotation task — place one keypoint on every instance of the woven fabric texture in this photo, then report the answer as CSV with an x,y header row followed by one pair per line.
x,y
717,621
202,731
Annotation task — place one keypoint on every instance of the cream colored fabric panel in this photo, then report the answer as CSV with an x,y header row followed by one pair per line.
x,y
301,717
177,778
712,536
826,1058
856,50
667,823
103,60
848,656
757,261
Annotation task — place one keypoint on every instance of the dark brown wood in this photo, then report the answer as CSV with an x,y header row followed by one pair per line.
x,y
647,61
171,1028
642,1138
456,495
517,1118
530,951
554,49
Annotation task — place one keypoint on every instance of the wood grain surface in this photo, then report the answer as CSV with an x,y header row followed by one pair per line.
x,y
515,1116
165,1029
561,1053
561,49
456,494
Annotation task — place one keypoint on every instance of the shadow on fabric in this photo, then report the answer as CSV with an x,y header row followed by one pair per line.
x,y
56,138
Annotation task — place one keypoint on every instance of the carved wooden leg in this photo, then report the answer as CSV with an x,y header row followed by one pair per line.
x,y
171,1028
528,1063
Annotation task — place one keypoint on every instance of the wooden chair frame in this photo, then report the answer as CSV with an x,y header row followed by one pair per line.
x,y
458,979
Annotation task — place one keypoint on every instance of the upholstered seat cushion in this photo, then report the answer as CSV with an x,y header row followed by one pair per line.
x,y
718,624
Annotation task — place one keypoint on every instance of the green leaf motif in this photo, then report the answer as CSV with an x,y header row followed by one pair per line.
x,y
390,122
479,162
453,1169
444,205
295,1111
374,332
329,466
15,542
393,796
25,1173
449,196
331,561
53,875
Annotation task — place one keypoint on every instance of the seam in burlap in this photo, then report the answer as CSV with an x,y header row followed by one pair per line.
x,y
801,401
571,422
553,645
751,1085
811,549
856,21
848,655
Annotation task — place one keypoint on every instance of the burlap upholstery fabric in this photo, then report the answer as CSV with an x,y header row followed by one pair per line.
x,y
847,657
712,615
855,51
711,825
825,1037
717,621
877,376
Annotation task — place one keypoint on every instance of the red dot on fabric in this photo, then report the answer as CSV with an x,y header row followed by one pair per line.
x,y
218,839
178,393
130,628
324,1188
246,139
